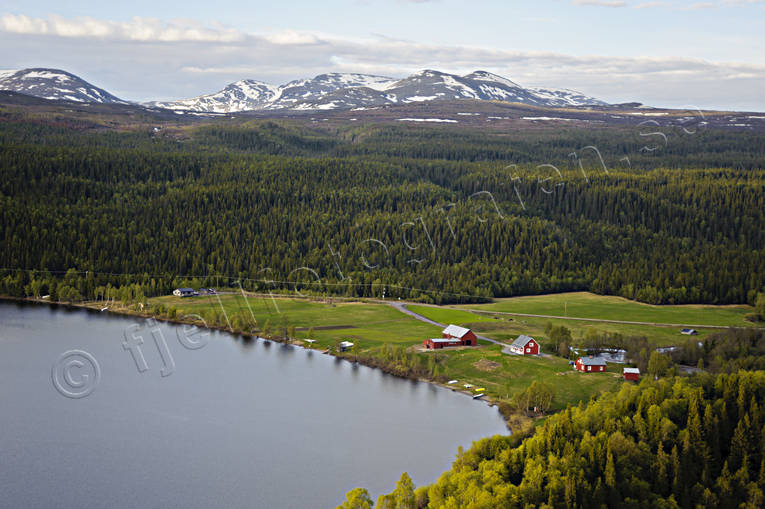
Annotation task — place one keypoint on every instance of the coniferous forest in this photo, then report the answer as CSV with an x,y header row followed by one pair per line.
x,y
439,214
668,444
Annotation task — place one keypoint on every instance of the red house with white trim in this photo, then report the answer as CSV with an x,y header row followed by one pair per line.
x,y
631,374
467,336
590,364
525,345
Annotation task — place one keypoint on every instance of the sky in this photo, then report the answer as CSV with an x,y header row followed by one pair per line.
x,y
664,53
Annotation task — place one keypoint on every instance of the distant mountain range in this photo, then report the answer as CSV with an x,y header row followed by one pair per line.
x,y
56,85
334,91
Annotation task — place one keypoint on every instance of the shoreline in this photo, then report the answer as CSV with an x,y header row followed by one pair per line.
x,y
91,306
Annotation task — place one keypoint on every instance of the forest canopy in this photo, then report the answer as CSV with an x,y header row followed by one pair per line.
x,y
428,213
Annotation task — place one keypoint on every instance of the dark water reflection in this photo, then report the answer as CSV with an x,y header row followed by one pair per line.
x,y
237,423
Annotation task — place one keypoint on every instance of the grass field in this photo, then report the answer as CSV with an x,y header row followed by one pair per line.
x,y
513,374
588,305
507,328
376,324
585,305
369,324
448,315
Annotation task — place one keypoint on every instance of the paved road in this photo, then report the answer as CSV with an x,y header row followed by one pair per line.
x,y
401,306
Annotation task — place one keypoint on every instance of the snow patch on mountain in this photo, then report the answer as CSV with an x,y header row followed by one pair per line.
x,y
331,91
54,84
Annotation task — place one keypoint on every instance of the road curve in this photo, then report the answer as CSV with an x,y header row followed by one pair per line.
x,y
401,306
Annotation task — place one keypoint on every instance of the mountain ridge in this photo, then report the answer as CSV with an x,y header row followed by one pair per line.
x,y
329,91
55,84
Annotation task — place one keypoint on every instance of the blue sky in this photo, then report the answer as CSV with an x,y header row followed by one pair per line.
x,y
664,53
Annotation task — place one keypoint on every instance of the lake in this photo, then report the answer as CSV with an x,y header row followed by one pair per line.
x,y
181,417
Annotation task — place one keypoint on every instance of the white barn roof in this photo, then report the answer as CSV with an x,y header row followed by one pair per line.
x,y
456,331
522,340
443,340
632,370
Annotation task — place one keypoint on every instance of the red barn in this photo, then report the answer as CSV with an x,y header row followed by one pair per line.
x,y
631,374
590,364
466,336
436,343
525,345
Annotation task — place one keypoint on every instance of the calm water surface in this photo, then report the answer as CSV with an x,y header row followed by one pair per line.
x,y
232,424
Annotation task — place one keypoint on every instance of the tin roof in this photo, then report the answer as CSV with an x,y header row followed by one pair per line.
x,y
456,331
522,340
632,370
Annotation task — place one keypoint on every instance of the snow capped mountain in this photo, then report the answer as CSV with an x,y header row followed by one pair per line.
x,y
54,84
324,92
299,92
239,96
351,91
565,97
430,85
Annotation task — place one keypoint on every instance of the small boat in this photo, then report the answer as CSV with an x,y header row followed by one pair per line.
x,y
476,396
467,386
451,382
104,308
479,389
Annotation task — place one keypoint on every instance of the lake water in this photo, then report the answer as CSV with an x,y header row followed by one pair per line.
x,y
233,423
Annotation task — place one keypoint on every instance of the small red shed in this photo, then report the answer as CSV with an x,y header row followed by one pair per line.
x,y
631,374
590,364
466,336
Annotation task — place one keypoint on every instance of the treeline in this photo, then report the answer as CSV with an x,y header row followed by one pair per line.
x,y
675,443
721,352
280,207
727,351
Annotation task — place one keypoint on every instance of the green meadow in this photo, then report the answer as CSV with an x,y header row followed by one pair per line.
x,y
368,323
507,328
589,305
372,325
504,375
490,322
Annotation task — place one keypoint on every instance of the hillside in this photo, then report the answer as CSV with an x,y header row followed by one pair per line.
x,y
456,213
683,443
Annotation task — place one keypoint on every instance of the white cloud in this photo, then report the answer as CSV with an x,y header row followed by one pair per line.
x,y
137,29
649,5
146,59
601,3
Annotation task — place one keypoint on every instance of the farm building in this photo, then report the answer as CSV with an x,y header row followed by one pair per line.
x,y
183,292
631,374
466,336
689,332
590,364
525,345
436,343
